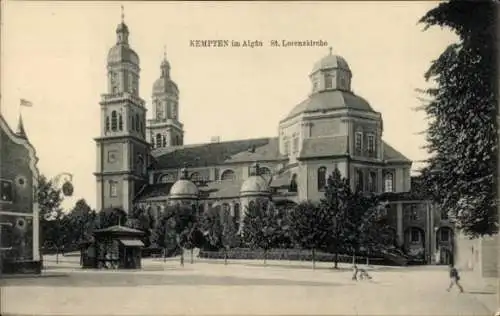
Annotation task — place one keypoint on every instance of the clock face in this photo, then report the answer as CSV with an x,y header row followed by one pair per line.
x,y
112,156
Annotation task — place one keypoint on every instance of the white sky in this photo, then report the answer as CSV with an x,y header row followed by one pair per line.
x,y
54,54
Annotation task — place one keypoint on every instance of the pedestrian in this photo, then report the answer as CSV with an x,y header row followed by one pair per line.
x,y
355,275
454,279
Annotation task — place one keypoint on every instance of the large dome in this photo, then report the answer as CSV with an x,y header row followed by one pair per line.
x,y
331,62
255,185
330,100
183,189
162,85
122,53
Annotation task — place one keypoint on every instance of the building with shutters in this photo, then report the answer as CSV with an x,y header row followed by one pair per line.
x,y
146,162
19,221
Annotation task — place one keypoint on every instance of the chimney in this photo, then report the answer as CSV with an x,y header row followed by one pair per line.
x,y
215,139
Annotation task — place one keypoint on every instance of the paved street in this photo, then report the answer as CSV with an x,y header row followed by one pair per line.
x,y
243,287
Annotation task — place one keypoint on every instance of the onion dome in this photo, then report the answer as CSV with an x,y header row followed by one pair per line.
x,y
184,189
122,52
164,84
256,184
331,61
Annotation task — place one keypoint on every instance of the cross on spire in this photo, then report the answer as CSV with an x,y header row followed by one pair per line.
x,y
123,14
330,49
164,52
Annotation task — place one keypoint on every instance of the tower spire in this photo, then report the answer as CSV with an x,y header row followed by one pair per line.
x,y
330,49
164,52
20,127
123,14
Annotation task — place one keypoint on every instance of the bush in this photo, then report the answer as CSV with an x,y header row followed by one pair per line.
x,y
284,254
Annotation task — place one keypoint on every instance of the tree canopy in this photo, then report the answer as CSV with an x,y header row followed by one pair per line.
x,y
461,110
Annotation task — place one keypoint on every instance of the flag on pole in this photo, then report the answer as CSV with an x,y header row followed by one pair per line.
x,y
25,102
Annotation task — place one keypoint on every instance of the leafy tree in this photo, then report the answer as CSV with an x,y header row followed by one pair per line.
x,y
366,228
229,236
260,226
164,234
53,223
83,221
310,227
461,135
142,219
337,202
177,229
212,226
110,217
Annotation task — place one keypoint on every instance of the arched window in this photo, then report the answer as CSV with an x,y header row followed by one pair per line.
x,y
264,171
359,180
177,140
293,184
251,205
201,208
158,140
227,175
415,235
137,122
107,123
140,164
389,182
132,123
120,122
113,121
372,181
164,142
321,178
328,81
195,176
237,216
164,178
141,127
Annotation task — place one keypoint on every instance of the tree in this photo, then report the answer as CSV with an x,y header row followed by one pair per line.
x,y
229,236
310,227
260,226
164,234
336,203
83,221
177,228
142,219
53,225
212,226
461,135
111,216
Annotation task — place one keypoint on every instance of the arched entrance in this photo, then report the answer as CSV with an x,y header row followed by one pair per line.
x,y
414,244
445,246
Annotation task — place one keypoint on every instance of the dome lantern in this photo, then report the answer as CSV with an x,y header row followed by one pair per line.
x,y
332,72
255,185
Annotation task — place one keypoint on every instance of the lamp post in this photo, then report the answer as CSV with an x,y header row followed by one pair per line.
x,y
63,182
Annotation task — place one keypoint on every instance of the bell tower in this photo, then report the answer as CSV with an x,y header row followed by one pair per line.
x,y
164,128
122,148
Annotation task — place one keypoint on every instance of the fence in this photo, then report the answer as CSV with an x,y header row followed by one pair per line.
x,y
287,255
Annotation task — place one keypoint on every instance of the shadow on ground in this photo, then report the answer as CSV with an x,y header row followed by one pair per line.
x,y
130,280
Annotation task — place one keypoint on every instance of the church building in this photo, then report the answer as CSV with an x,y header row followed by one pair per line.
x,y
146,163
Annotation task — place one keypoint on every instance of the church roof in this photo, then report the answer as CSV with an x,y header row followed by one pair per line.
x,y
331,61
392,155
212,154
330,100
324,146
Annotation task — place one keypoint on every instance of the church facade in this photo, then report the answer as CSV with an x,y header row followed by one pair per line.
x,y
145,163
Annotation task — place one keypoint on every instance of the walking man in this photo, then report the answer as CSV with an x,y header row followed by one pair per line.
x,y
454,278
